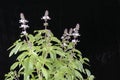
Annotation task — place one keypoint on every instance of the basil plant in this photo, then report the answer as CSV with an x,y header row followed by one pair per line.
x,y
42,56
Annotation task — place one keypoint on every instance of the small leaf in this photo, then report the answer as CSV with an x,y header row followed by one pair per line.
x,y
60,53
91,77
38,65
31,38
86,59
57,48
14,66
88,72
75,50
78,74
49,66
10,76
70,46
55,40
11,47
22,56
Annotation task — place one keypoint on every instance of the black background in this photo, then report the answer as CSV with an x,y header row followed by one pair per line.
x,y
99,28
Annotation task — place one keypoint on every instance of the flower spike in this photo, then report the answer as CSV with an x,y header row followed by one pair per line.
x,y
46,18
23,22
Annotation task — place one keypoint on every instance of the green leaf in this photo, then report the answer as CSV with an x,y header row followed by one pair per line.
x,y
24,47
79,75
28,68
10,76
22,56
88,72
58,48
86,59
77,51
20,69
49,65
45,73
55,40
14,66
15,50
28,65
70,46
52,54
72,64
26,76
41,60
91,77
14,44
60,53
11,46
38,65
31,38
79,65
40,42
58,64
59,76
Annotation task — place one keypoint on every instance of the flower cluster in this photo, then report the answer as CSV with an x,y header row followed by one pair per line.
x,y
23,22
72,34
46,18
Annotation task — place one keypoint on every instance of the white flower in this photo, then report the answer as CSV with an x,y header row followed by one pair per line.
x,y
75,34
62,37
74,41
23,21
64,44
24,26
46,17
24,32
